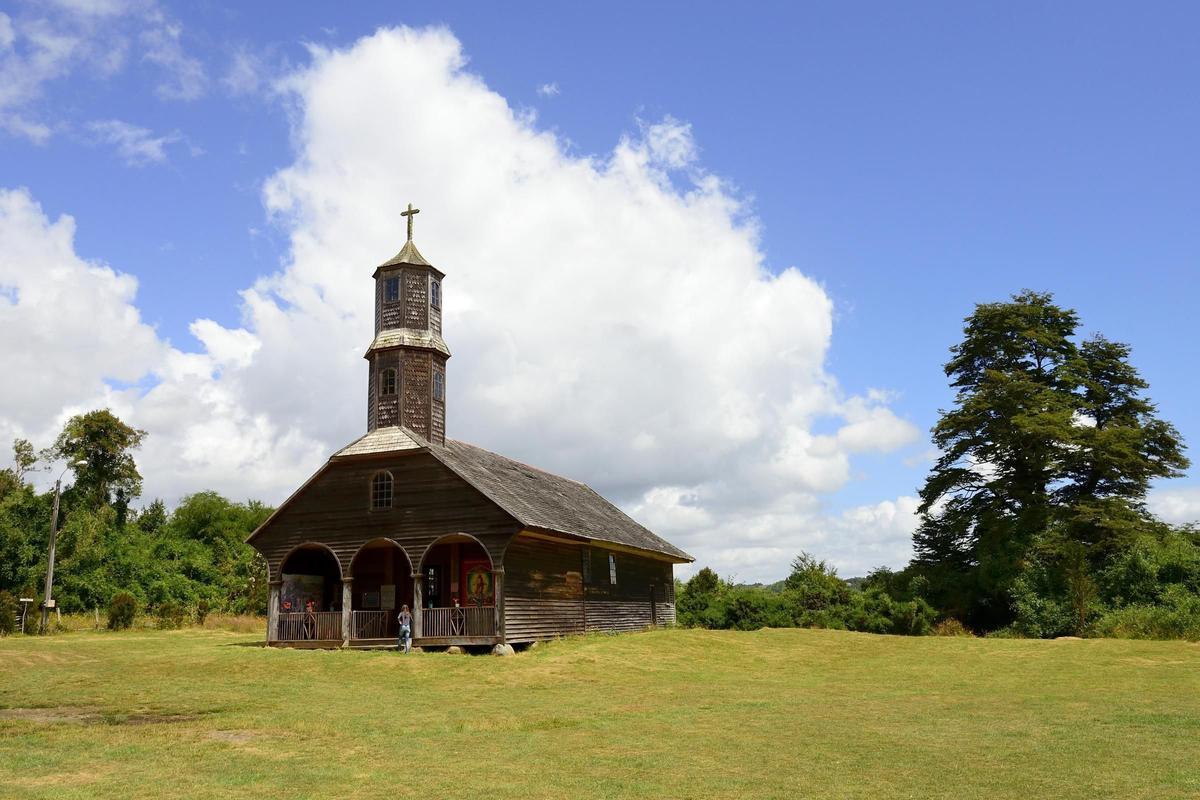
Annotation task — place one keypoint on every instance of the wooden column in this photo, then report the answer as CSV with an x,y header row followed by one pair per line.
x,y
418,606
273,611
347,610
498,586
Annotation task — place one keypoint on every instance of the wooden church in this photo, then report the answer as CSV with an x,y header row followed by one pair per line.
x,y
484,549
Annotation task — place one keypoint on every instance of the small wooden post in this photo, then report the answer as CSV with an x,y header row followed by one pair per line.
x,y
498,586
273,611
418,607
347,613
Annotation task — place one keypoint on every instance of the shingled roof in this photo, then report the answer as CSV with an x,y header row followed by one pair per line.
x,y
407,255
535,498
543,500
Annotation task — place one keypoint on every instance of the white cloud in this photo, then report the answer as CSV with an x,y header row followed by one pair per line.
x,y
47,43
1176,506
78,342
670,143
98,8
612,319
246,73
136,146
184,78
549,90
7,34
759,543
70,324
34,53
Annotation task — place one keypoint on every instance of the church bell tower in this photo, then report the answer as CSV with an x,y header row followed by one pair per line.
x,y
407,359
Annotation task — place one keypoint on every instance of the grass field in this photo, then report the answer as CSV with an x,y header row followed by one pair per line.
x,y
665,714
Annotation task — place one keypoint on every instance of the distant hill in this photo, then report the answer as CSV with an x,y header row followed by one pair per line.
x,y
777,586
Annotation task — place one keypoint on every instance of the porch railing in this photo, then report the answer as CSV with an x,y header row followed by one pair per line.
x,y
372,625
301,626
446,623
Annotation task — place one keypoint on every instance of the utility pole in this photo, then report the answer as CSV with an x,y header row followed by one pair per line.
x,y
50,556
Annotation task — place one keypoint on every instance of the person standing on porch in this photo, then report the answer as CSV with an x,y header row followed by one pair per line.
x,y
405,639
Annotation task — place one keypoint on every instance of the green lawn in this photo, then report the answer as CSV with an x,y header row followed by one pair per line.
x,y
664,714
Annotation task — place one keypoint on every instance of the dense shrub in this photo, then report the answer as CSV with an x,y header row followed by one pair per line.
x,y
8,613
170,615
1040,608
121,610
812,596
911,617
748,609
1176,617
951,627
813,587
202,609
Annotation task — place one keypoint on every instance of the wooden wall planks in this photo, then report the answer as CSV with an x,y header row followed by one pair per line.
x,y
429,501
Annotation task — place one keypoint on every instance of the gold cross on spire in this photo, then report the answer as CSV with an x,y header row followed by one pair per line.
x,y
411,211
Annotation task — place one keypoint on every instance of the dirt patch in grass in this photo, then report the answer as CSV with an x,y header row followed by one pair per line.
x,y
73,715
65,780
235,737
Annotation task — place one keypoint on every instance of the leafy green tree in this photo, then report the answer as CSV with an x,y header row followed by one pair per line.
x,y
24,459
8,613
152,518
105,443
698,603
1048,442
813,587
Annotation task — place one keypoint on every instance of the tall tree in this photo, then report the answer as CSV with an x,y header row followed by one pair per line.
x,y
1045,436
13,478
105,443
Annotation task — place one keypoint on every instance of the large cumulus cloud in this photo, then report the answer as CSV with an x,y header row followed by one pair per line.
x,y
612,318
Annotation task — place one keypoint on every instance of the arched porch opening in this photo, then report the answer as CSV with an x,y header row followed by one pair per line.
x,y
457,591
310,595
382,583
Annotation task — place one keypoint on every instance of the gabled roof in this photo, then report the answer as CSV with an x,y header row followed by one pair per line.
x,y
535,498
383,440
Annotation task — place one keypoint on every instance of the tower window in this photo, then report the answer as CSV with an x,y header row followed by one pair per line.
x,y
439,386
381,490
391,290
387,382
435,295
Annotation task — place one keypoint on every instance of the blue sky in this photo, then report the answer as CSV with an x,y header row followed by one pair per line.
x,y
913,160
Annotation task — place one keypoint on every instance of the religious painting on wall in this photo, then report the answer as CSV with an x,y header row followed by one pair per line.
x,y
477,583
296,592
